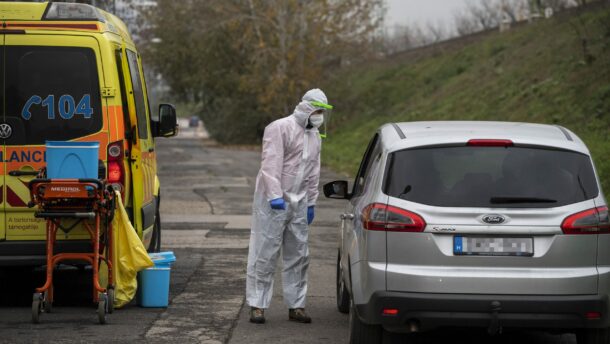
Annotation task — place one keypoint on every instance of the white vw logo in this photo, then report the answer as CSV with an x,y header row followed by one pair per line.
x,y
5,131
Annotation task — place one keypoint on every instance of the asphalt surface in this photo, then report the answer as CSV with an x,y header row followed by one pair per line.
x,y
205,209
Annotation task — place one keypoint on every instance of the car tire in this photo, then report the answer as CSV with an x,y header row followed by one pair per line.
x,y
361,333
593,336
342,293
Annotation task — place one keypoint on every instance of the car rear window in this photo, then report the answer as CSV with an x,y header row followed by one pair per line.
x,y
52,93
494,177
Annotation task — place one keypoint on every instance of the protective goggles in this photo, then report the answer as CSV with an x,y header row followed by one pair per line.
x,y
326,111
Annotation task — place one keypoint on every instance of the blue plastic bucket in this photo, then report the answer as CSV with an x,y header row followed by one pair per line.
x,y
67,160
162,259
153,283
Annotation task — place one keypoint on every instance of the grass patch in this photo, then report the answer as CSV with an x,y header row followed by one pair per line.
x,y
534,73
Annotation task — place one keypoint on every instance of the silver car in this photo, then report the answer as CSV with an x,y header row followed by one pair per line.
x,y
474,224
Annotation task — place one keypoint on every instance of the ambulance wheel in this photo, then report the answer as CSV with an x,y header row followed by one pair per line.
x,y
102,308
110,300
36,307
155,242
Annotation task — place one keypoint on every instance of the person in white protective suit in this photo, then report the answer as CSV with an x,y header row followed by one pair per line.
x,y
283,207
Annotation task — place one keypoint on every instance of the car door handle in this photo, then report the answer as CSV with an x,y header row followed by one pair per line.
x,y
17,173
347,216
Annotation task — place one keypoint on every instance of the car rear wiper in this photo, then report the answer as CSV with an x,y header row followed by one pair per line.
x,y
509,200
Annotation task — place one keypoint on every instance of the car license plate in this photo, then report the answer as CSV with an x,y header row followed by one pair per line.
x,y
492,246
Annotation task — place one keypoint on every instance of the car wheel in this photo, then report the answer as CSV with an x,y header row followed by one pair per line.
x,y
342,293
361,333
593,336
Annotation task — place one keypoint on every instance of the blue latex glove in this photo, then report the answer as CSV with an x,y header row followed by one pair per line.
x,y
310,214
278,204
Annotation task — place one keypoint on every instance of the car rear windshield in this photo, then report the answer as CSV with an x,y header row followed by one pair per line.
x,y
494,177
52,93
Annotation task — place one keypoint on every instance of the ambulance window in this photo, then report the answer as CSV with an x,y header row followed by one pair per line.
x,y
119,65
54,94
138,94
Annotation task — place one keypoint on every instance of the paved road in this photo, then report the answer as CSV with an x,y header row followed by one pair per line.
x,y
206,204
206,196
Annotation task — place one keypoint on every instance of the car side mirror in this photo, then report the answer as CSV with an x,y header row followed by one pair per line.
x,y
168,123
337,190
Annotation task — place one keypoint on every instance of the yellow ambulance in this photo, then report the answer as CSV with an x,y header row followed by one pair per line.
x,y
71,72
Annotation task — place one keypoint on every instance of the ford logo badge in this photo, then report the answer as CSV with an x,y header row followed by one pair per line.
x,y
493,219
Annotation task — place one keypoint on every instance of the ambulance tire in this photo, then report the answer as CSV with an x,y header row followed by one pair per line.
x,y
155,242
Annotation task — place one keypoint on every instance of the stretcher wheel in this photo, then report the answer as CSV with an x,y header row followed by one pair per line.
x,y
110,292
102,307
47,306
36,307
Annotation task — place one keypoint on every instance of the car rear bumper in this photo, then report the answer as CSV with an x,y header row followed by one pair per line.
x,y
33,253
428,311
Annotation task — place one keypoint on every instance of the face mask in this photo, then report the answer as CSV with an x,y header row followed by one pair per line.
x,y
316,120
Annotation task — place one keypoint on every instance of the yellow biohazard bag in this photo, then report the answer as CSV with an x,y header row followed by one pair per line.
x,y
130,256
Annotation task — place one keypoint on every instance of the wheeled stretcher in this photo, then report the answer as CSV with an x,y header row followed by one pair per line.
x,y
64,204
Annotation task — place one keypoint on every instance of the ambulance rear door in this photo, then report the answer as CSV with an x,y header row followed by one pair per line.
x,y
52,92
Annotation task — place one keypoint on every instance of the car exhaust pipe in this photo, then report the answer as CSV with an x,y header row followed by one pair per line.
x,y
413,326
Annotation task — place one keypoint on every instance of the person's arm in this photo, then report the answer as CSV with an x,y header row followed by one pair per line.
x,y
314,179
272,162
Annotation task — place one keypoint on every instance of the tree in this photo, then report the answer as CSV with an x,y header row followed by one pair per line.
x,y
247,62
538,6
436,32
512,9
484,13
557,5
464,23
402,38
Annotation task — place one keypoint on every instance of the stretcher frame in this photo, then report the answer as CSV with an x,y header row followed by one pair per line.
x,y
87,201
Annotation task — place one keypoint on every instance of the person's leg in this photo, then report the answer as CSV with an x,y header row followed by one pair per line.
x,y
265,242
295,252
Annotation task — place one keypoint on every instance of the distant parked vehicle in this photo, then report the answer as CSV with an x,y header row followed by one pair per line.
x,y
482,224
194,121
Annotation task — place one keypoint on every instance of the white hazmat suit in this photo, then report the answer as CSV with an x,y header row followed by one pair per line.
x,y
290,169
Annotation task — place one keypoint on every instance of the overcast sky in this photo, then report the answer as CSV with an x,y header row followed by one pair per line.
x,y
422,11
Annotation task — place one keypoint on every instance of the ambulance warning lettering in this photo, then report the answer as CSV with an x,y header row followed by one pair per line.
x,y
24,156
66,106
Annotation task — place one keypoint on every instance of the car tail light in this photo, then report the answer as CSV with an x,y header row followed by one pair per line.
x,y
389,312
383,217
593,315
592,221
116,171
490,143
